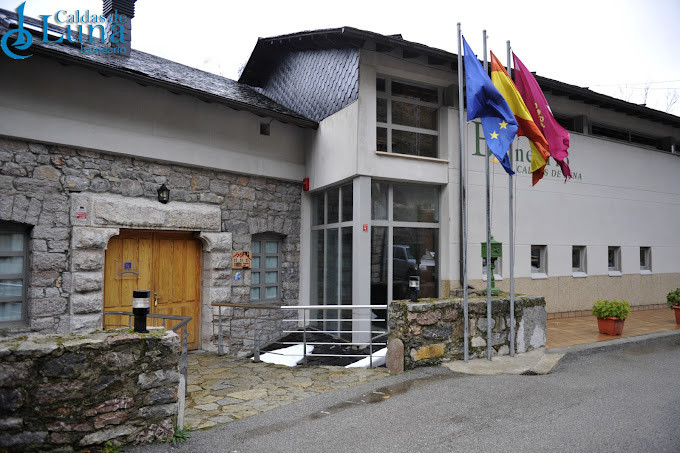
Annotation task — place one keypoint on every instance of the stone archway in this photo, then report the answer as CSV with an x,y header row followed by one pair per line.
x,y
96,218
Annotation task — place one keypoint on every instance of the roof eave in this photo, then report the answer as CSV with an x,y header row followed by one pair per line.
x,y
181,89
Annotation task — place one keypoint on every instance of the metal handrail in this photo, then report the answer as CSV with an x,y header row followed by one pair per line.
x,y
181,329
258,330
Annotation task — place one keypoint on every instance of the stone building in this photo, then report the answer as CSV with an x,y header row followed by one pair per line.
x,y
369,121
87,141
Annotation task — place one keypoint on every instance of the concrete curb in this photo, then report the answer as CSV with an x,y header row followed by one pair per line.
x,y
543,361
532,362
612,344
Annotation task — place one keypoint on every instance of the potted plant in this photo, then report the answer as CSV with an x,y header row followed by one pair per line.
x,y
673,299
610,315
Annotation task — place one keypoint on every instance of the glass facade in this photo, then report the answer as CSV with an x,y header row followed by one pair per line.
x,y
404,241
331,247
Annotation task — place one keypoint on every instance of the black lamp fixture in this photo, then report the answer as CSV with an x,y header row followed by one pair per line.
x,y
163,194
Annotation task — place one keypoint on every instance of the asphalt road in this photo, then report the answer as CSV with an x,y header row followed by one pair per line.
x,y
614,400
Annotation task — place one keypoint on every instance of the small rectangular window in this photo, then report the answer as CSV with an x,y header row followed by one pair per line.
x,y
415,203
645,259
578,260
614,260
318,208
13,258
265,273
347,202
379,193
538,261
332,205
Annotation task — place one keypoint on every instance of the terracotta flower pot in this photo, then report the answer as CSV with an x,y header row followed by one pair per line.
x,y
676,309
611,325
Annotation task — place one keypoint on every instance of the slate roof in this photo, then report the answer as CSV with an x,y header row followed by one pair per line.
x,y
316,83
263,58
152,70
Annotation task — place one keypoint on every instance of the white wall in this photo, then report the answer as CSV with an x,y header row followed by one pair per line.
x,y
394,166
332,154
624,195
45,101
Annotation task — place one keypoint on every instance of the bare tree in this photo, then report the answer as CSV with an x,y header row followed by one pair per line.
x,y
645,93
672,98
626,92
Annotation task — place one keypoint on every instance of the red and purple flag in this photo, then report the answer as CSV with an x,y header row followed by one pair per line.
x,y
556,135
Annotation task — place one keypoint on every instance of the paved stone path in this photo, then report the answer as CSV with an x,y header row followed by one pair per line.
x,y
223,389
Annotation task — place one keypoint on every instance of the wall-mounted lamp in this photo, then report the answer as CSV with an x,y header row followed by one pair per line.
x,y
163,194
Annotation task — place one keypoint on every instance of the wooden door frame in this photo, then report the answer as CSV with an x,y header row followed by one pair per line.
x,y
154,237
97,217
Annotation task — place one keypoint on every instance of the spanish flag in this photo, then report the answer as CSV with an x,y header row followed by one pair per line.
x,y
527,127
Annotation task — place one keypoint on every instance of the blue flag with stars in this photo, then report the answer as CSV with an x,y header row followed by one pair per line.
x,y
485,102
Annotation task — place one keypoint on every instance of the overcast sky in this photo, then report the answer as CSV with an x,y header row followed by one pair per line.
x,y
614,47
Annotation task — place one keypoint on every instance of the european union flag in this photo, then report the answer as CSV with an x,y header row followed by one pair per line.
x,y
485,102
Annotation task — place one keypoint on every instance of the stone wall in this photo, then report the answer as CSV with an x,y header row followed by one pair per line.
x,y
40,184
71,393
432,331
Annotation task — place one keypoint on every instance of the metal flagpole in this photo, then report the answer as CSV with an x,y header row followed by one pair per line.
x,y
512,243
463,206
488,239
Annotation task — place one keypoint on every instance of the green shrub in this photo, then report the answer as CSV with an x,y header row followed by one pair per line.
x,y
180,435
604,308
673,298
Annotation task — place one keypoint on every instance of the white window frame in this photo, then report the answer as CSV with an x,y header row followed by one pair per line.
x,y
646,266
615,270
582,270
542,271
387,95
262,270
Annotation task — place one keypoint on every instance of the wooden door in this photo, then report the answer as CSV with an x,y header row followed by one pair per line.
x,y
166,263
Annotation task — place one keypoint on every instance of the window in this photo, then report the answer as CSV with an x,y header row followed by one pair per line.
x,y
578,261
614,260
407,118
13,259
405,220
265,276
645,260
331,241
538,261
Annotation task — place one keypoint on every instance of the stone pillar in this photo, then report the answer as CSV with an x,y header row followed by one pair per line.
x,y
88,247
217,280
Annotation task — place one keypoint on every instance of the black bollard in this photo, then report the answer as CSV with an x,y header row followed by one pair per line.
x,y
140,308
414,287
